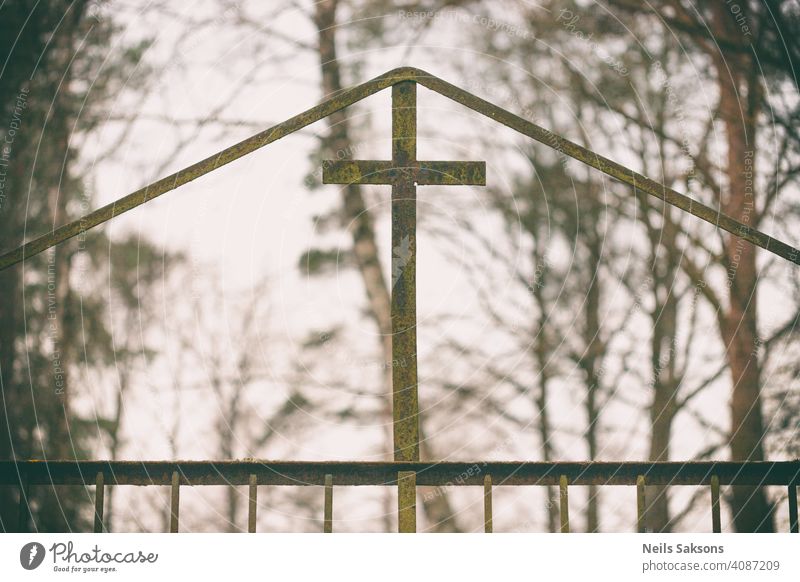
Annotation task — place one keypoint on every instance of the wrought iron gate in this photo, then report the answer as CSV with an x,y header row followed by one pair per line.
x,y
404,173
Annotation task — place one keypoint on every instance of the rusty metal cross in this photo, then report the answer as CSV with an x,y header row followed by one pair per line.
x,y
404,173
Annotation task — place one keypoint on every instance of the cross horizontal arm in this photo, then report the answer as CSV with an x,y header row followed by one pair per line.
x,y
433,173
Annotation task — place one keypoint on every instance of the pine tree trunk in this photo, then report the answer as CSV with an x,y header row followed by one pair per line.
x,y
665,383
657,518
739,102
542,354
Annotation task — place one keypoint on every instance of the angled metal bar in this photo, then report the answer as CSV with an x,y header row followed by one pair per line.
x,y
347,473
359,92
607,166
209,164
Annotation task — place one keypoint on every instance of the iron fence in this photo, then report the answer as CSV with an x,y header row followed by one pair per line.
x,y
254,473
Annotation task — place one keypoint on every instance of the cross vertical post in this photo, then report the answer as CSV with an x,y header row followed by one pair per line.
x,y
404,173
405,398
404,274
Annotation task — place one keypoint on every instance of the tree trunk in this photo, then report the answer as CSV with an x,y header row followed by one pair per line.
x,y
115,437
58,291
590,363
665,382
657,518
9,308
542,352
739,101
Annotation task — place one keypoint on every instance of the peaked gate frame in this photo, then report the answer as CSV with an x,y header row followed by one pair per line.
x,y
404,173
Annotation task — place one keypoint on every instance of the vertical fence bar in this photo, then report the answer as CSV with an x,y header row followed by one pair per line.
x,y
99,498
640,504
253,505
175,499
563,482
487,504
794,527
23,509
407,502
716,522
327,524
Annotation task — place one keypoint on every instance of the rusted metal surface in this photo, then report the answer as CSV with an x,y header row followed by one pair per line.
x,y
355,94
351,473
327,520
174,502
404,475
252,506
716,522
563,492
407,502
384,172
488,526
405,401
99,498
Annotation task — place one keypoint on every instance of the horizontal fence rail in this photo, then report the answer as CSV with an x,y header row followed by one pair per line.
x,y
175,474
300,473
